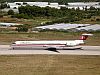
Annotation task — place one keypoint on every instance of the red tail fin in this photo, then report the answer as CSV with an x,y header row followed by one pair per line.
x,y
85,36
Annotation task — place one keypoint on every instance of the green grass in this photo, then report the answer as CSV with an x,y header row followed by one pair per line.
x,y
36,21
92,20
49,65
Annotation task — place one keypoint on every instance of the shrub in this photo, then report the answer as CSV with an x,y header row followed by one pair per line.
x,y
10,12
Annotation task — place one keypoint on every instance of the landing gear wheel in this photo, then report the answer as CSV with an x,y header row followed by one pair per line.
x,y
53,49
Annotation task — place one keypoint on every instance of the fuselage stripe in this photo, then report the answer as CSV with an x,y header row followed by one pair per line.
x,y
38,44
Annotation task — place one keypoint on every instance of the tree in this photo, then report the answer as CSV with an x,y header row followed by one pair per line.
x,y
8,6
92,8
85,8
99,3
10,12
3,5
22,28
1,16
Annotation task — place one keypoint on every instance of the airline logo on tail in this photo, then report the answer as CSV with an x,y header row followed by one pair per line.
x,y
85,36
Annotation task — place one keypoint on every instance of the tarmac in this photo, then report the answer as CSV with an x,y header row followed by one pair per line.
x,y
86,50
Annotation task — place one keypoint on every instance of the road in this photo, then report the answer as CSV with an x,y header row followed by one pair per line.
x,y
87,50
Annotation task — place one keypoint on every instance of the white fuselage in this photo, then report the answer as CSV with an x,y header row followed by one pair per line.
x,y
52,43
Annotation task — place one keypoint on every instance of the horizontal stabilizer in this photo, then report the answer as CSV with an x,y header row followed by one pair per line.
x,y
85,34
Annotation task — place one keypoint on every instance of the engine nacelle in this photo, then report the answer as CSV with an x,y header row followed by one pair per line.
x,y
71,43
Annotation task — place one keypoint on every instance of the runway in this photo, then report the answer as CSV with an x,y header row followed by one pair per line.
x,y
86,50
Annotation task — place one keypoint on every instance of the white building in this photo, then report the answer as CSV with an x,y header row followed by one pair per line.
x,y
13,5
91,27
82,5
75,5
9,24
63,26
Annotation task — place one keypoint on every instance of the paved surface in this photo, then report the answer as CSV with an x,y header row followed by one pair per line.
x,y
86,50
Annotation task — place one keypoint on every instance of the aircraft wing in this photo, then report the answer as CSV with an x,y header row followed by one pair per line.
x,y
62,47
54,45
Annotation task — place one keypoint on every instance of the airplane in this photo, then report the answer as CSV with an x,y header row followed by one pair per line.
x,y
52,44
